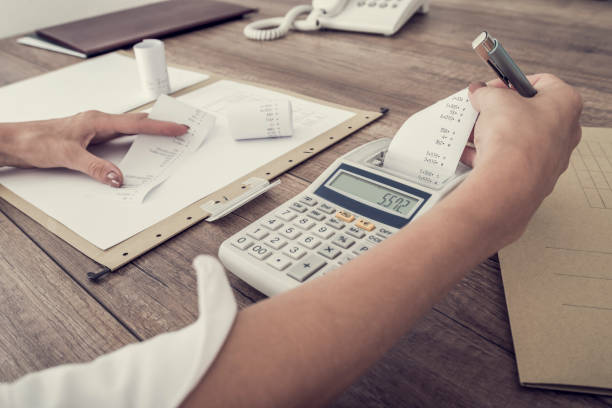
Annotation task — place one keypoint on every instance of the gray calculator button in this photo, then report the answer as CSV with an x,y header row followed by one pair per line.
x,y
279,262
344,259
343,241
329,251
326,208
384,232
309,241
289,231
374,239
276,241
299,207
295,251
260,251
355,232
257,233
308,200
323,231
303,269
242,242
382,5
317,215
286,214
372,4
304,223
272,223
335,223
360,249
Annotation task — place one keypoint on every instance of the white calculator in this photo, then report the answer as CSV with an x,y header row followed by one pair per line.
x,y
351,207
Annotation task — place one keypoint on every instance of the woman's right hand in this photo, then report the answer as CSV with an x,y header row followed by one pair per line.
x,y
522,145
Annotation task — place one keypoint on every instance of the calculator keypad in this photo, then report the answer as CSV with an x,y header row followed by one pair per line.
x,y
309,236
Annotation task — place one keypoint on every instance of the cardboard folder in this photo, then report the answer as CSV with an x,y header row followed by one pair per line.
x,y
558,278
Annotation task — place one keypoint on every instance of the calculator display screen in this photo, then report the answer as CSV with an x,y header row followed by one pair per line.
x,y
374,193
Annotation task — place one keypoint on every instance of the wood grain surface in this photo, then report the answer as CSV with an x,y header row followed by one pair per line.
x,y
461,353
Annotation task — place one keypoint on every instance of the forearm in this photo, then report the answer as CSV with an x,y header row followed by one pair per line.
x,y
11,140
304,347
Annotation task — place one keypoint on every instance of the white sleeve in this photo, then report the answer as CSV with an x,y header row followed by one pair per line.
x,y
159,372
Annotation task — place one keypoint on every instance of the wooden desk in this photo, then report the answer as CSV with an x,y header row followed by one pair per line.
x,y
461,353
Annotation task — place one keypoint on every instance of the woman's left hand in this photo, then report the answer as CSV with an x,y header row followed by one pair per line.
x,y
63,142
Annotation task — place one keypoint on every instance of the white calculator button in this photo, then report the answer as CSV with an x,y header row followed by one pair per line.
x,y
374,239
242,242
309,241
257,233
260,251
308,200
279,262
329,251
300,271
275,241
289,231
299,207
323,231
272,223
384,232
335,223
286,214
326,208
361,248
295,251
304,223
355,232
343,241
316,214
344,259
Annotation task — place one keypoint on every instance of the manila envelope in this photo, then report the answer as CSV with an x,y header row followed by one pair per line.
x,y
558,278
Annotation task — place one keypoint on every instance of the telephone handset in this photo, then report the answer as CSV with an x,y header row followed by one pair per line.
x,y
368,16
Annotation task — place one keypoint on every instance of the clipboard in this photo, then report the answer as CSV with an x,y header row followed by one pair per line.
x,y
210,207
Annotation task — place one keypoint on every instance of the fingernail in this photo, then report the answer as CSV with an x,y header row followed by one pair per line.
x,y
113,178
476,85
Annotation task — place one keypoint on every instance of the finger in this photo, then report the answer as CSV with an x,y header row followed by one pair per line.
x,y
496,83
133,123
468,156
472,90
97,168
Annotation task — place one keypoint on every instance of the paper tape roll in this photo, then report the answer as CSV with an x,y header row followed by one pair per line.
x,y
151,61
258,120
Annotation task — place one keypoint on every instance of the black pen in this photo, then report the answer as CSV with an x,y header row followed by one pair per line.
x,y
492,53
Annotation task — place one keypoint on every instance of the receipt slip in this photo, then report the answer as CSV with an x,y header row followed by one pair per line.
x,y
428,146
152,159
261,119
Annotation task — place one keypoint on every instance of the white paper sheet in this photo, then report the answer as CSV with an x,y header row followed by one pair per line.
x,y
258,120
70,197
109,83
428,146
151,60
152,159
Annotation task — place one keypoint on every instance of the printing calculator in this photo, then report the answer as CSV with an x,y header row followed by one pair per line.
x,y
354,205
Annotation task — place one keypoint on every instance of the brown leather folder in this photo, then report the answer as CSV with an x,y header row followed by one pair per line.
x,y
108,32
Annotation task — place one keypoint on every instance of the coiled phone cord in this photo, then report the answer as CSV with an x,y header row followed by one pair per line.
x,y
260,30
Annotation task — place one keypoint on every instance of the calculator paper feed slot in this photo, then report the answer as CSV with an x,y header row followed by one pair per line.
x,y
428,146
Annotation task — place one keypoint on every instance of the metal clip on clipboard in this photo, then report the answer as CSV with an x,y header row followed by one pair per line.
x,y
254,187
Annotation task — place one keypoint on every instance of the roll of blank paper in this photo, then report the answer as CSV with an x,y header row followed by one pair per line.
x,y
151,61
258,120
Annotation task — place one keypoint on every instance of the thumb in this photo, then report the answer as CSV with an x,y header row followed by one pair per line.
x,y
97,168
476,96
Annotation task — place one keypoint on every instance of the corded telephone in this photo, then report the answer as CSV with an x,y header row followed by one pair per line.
x,y
368,16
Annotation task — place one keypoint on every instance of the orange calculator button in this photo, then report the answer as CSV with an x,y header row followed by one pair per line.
x,y
366,225
345,216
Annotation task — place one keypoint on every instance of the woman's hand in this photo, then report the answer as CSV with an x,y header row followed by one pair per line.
x,y
63,142
522,146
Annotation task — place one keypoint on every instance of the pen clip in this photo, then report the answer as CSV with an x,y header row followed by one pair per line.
x,y
500,73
